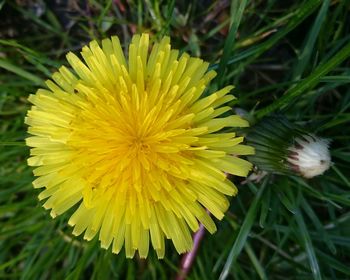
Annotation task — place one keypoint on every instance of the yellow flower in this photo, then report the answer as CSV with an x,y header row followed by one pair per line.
x,y
134,146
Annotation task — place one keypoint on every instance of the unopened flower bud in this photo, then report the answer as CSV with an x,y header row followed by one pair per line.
x,y
309,156
282,147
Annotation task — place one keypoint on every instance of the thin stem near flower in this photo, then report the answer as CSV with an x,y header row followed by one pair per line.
x,y
188,258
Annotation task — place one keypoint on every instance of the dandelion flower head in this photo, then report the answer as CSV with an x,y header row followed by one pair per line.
x,y
135,145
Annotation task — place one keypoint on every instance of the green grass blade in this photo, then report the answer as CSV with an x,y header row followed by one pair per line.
x,y
238,8
21,144
20,72
316,221
307,83
297,18
305,236
256,263
308,48
243,233
334,263
341,176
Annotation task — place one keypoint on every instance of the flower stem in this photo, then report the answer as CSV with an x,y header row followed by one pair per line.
x,y
188,258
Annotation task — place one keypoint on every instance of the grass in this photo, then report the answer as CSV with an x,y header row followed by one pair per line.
x,y
285,56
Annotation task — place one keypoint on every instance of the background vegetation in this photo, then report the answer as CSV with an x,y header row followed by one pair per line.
x,y
289,56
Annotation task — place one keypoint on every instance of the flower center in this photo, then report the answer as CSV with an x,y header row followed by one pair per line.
x,y
139,144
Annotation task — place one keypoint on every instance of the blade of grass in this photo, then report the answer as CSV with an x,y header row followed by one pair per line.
x,y
29,14
265,205
306,84
20,72
252,53
315,220
341,176
308,48
243,232
256,263
21,144
334,262
238,9
87,257
306,239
